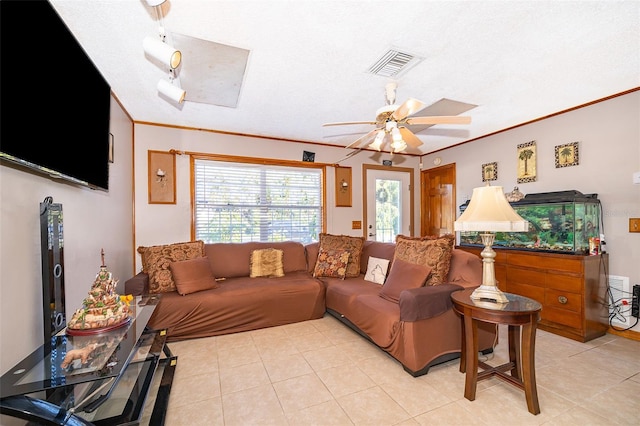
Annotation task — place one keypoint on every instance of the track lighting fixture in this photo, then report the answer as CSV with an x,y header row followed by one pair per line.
x,y
162,52
171,91
154,3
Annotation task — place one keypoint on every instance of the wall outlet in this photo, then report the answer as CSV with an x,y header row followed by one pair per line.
x,y
635,301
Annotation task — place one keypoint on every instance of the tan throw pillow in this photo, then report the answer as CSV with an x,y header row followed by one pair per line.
x,y
344,242
331,263
376,270
434,252
266,263
193,275
156,260
403,276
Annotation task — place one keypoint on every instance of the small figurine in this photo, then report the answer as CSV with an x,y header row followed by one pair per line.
x,y
81,354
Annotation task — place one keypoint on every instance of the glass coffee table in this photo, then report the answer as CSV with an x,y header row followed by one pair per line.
x,y
107,388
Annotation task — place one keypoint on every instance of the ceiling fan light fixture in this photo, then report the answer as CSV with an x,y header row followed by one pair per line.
x,y
377,142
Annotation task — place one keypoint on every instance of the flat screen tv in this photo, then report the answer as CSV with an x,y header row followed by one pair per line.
x,y
55,103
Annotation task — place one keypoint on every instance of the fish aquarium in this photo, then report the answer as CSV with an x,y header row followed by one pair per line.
x,y
559,222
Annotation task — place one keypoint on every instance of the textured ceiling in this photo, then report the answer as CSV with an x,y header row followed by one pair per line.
x,y
308,60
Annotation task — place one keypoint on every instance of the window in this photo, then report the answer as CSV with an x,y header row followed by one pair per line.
x,y
238,202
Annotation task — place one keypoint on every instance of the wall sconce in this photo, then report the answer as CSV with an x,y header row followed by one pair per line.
x,y
344,186
171,91
161,177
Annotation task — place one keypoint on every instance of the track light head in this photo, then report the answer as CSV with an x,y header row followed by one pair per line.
x,y
171,91
162,52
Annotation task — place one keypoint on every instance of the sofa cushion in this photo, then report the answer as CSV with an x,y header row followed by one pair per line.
x,y
377,270
266,263
403,276
344,242
192,275
331,263
434,252
156,261
229,260
375,249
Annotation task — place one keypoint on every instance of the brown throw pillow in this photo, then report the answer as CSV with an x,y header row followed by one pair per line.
x,y
434,252
403,276
344,242
266,263
193,275
156,260
331,263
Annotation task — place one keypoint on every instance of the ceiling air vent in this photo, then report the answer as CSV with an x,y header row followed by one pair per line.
x,y
393,63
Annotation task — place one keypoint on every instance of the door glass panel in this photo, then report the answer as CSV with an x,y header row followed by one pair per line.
x,y
388,205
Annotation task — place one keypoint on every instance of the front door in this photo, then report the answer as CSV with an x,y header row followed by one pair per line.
x,y
388,201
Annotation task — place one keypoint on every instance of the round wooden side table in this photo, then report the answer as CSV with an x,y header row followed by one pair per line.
x,y
520,313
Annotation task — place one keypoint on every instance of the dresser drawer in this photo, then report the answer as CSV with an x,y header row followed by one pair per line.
x,y
530,291
563,300
565,283
525,276
562,316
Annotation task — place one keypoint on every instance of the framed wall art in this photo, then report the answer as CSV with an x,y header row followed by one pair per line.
x,y
527,159
567,155
343,186
489,171
162,177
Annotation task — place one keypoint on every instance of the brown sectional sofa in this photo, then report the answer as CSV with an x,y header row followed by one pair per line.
x,y
419,331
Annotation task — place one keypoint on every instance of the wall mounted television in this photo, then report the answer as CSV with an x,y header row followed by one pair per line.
x,y
55,103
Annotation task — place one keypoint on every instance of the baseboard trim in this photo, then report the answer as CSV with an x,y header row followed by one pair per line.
x,y
633,335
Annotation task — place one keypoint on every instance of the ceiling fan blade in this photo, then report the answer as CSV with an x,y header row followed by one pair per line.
x,y
439,119
408,136
409,107
343,123
364,139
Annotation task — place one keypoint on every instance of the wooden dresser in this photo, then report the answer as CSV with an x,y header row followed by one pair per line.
x,y
571,288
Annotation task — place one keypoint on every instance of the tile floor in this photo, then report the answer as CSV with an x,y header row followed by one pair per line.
x,y
321,373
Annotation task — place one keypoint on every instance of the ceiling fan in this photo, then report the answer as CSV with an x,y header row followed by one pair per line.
x,y
392,121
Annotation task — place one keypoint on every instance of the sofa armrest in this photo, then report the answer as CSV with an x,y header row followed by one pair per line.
x,y
426,302
137,285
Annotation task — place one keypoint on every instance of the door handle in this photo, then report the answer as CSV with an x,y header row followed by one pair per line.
x,y
371,234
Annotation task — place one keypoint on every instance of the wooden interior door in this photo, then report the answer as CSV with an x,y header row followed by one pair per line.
x,y
438,196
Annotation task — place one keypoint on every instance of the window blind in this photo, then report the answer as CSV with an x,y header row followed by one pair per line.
x,y
238,202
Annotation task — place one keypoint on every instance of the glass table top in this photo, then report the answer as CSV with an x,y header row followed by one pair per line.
x,y
111,351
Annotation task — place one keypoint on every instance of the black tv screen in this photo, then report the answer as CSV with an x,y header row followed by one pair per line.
x,y
55,103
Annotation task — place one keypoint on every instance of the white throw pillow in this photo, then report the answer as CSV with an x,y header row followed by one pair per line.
x,y
377,270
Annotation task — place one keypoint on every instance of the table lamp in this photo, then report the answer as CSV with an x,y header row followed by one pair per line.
x,y
489,212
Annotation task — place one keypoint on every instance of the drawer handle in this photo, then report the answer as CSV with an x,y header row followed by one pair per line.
x,y
562,299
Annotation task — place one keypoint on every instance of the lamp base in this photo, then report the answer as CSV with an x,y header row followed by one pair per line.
x,y
487,292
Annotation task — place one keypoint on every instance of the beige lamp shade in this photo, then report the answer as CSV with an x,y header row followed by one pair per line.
x,y
489,210
162,52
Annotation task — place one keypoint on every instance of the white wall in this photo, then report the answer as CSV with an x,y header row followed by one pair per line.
x,y
608,134
152,219
92,220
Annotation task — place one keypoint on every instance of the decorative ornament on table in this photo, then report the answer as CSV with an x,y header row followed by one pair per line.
x,y
103,307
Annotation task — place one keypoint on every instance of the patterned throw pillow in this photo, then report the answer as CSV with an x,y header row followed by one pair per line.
x,y
266,263
434,252
193,275
331,263
156,261
344,242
